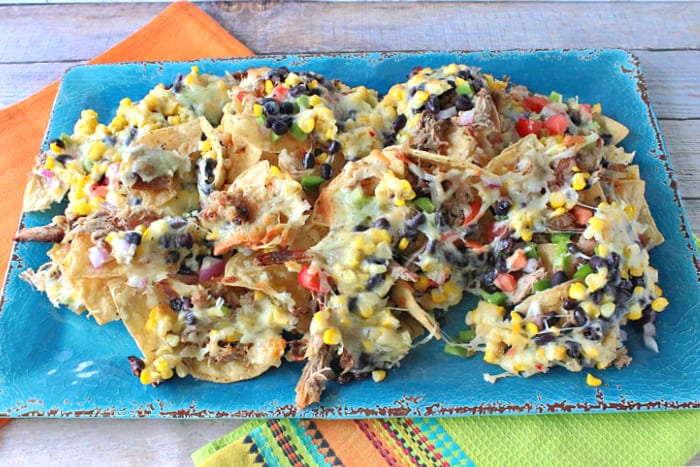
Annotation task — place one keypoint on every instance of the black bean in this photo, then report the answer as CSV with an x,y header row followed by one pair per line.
x,y
607,138
271,107
63,158
58,142
287,108
412,91
558,277
431,247
110,140
550,320
166,241
569,303
477,84
501,263
269,121
398,123
190,319
505,245
486,280
133,237
202,136
298,90
382,223
597,296
433,104
172,257
360,228
177,83
176,304
334,147
573,349
596,262
626,285
416,221
352,305
315,92
463,102
326,171
374,281
543,338
137,365
279,127
309,160
572,248
177,222
622,296
580,317
184,241
377,260
638,281
389,139
464,74
442,217
501,207
575,118
613,260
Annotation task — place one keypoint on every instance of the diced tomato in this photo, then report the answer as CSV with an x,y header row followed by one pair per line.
x,y
474,245
240,95
526,126
517,261
581,214
310,279
99,191
556,124
475,207
535,103
506,282
585,111
280,93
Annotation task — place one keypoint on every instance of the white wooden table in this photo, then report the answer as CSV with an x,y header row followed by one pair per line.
x,y
38,42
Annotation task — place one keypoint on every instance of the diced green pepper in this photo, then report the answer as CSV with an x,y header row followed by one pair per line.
x,y
425,205
560,237
303,102
358,198
297,132
497,298
311,182
531,251
260,120
466,335
583,271
561,261
465,88
540,285
555,97
456,350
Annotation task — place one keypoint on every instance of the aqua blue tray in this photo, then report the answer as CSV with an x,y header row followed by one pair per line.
x,y
54,363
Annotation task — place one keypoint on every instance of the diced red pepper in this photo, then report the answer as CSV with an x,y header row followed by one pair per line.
x,y
310,279
581,214
535,103
556,124
506,282
526,126
240,95
475,207
99,191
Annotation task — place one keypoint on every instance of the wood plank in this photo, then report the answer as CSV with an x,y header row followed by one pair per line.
x,y
672,82
671,78
30,32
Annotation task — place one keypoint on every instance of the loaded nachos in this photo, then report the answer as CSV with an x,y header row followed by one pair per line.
x,y
235,222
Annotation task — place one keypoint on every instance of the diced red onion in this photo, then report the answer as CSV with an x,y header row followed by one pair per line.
x,y
46,173
466,117
530,266
98,256
211,267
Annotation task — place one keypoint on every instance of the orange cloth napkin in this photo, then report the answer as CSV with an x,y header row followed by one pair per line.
x,y
180,32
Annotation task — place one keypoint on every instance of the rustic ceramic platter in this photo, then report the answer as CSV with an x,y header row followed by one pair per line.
x,y
54,363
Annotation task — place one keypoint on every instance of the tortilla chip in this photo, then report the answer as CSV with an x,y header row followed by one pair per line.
x,y
550,300
509,159
617,130
96,296
183,138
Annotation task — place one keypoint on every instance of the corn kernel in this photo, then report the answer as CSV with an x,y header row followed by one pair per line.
x,y
403,243
638,290
292,80
593,381
579,181
531,329
559,352
603,250
559,212
451,69
541,353
421,96
596,109
331,336
97,150
307,125
315,100
490,357
634,314
378,376
657,290
557,199
422,283
596,223
637,271
50,163
591,352
518,367
275,171
146,377
630,210
82,208
269,86
596,280
438,296
577,291
659,304
526,234
591,309
257,110
607,309
56,149
160,364
167,374
516,317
